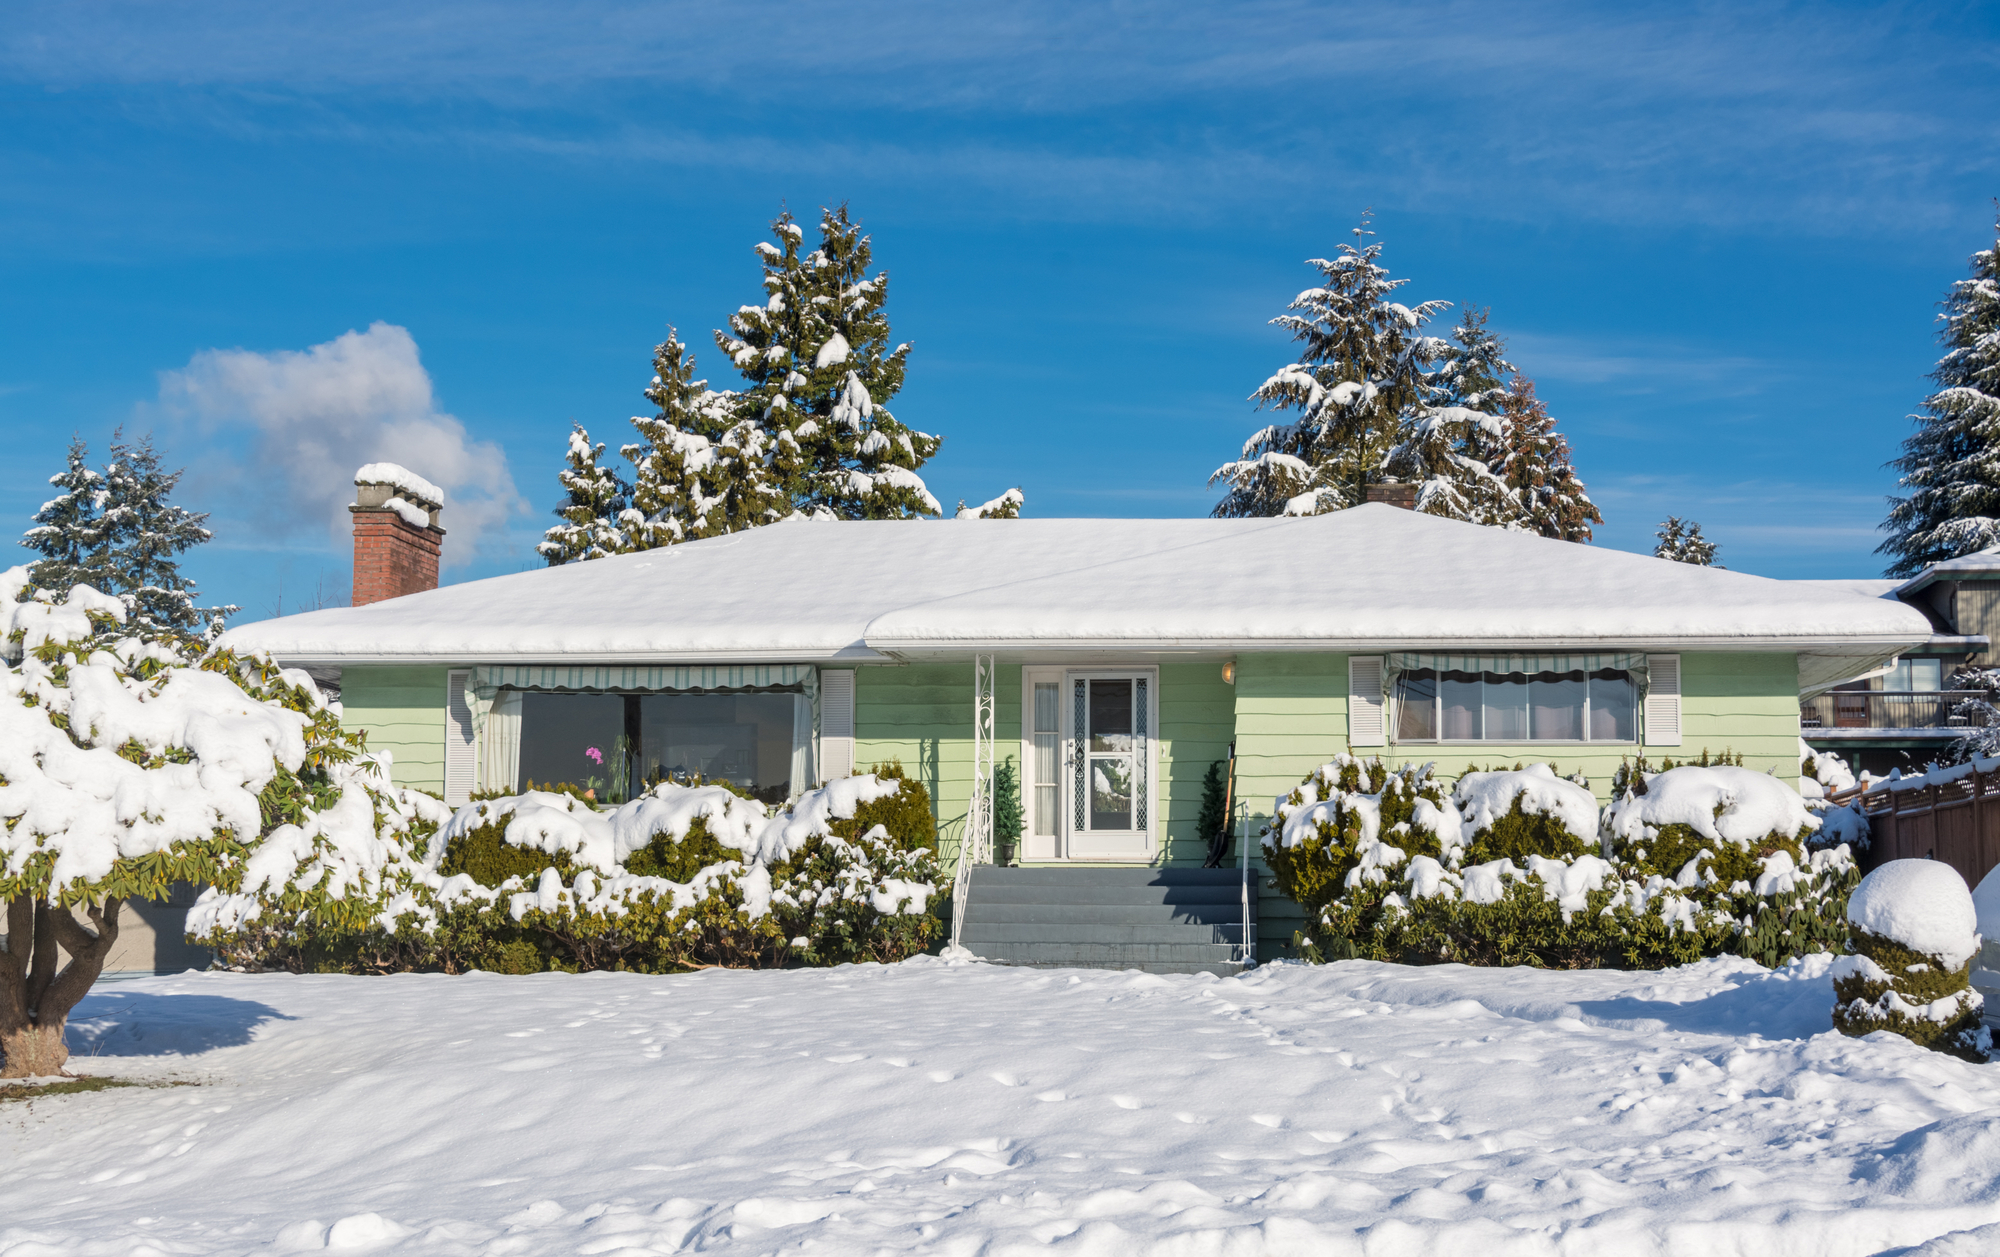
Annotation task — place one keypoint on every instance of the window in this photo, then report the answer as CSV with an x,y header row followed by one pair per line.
x,y
618,744
1914,676
1434,706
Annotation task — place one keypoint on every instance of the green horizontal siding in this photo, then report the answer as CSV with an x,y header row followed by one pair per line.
x,y
402,710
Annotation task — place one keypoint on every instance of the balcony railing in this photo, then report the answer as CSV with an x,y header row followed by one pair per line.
x,y
1886,709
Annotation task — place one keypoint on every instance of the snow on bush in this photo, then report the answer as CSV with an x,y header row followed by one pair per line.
x,y
1822,773
1504,870
1913,934
679,877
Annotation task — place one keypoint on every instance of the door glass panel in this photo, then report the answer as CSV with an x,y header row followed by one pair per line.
x,y
1111,716
1047,716
1110,792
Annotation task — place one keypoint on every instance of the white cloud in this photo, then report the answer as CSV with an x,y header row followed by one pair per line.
x,y
313,416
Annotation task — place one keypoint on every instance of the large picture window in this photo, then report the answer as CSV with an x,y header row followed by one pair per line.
x,y
617,745
1434,706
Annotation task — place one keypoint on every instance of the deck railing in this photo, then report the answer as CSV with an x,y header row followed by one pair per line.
x,y
1886,709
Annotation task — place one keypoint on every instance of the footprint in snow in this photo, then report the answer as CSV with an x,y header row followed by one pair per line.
x,y
1052,1097
941,1075
1005,1079
1267,1119
848,1058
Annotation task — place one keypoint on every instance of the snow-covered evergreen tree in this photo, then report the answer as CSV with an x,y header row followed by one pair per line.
x,y
820,373
594,502
69,529
1951,464
703,463
1449,446
1535,466
1007,506
1681,541
1362,373
144,534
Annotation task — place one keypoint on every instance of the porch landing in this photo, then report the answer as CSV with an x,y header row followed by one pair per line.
x,y
1174,920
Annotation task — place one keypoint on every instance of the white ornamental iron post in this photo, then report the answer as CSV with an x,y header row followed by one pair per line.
x,y
976,845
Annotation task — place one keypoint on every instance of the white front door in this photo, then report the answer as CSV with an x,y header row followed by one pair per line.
x,y
1109,808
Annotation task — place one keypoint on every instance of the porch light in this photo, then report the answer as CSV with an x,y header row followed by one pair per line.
x,y
1229,672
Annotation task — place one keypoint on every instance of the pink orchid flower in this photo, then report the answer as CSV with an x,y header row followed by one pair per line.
x,y
595,754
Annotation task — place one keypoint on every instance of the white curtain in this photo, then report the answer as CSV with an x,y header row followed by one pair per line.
x,y
802,744
500,743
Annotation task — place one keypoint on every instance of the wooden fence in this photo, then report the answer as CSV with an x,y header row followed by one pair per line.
x,y
1957,821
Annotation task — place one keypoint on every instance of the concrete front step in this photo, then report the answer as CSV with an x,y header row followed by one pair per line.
x,y
1058,914
1176,920
980,933
1110,955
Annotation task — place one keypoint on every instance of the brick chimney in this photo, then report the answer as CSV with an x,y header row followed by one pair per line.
x,y
1403,495
396,533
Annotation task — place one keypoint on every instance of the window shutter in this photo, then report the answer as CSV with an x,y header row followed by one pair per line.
x,y
459,758
1365,726
1663,700
836,725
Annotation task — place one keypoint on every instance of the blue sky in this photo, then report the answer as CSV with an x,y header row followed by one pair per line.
x,y
1714,235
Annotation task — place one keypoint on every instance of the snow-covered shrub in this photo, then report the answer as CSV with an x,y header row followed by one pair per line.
x,y
127,766
905,814
1354,819
1707,825
1913,936
1503,871
681,876
1511,815
1822,773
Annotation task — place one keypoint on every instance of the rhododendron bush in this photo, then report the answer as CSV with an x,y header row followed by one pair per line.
x,y
1522,866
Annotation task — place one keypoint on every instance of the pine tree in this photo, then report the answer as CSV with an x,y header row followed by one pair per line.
x,y
820,374
1007,506
1951,463
1448,446
143,535
1681,541
593,508
69,529
1535,466
703,465
1361,374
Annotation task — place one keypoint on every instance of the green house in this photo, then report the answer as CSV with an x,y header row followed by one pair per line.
x,y
1113,661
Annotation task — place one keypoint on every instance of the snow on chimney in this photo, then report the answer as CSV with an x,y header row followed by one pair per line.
x,y
396,533
1403,495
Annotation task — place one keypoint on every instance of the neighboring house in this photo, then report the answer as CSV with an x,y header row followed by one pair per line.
x,y
1120,659
1906,715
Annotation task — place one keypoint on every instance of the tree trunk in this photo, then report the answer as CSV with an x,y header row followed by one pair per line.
x,y
35,998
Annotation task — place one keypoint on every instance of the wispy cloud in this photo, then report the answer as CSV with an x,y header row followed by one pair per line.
x,y
1633,367
1810,119
311,417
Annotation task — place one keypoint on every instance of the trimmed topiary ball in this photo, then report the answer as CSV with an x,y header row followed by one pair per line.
x,y
1913,934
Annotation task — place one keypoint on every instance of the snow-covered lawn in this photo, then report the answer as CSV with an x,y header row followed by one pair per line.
x,y
1357,1108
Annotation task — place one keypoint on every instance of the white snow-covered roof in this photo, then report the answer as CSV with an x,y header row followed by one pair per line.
x,y
1979,563
1372,578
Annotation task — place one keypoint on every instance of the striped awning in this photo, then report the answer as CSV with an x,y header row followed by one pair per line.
x,y
488,679
1504,665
